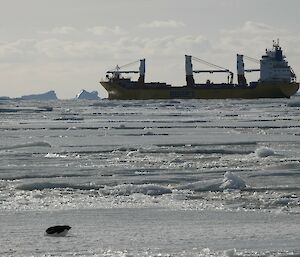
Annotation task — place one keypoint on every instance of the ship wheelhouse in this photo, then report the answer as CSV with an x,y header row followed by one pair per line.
x,y
274,67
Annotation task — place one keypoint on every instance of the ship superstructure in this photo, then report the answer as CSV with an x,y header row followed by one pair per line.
x,y
277,79
274,67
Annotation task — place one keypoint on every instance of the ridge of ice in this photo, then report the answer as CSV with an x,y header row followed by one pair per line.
x,y
35,144
129,189
205,185
50,185
230,181
55,155
264,152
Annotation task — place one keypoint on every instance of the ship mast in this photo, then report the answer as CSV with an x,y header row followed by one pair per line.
x,y
142,71
190,82
241,68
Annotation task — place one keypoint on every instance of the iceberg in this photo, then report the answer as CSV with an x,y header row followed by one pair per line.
x,y
4,98
50,95
87,95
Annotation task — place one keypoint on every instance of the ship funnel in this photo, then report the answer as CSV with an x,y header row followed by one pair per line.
x,y
241,70
190,82
142,71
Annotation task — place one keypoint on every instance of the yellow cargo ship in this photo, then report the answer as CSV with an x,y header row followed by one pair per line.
x,y
277,80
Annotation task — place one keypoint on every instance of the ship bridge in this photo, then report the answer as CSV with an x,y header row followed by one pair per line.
x,y
274,67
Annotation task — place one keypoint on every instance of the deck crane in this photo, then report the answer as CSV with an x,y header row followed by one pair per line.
x,y
216,69
116,73
241,70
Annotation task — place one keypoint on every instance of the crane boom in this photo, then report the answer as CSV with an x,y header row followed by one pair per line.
x,y
217,69
250,70
127,71
116,73
210,71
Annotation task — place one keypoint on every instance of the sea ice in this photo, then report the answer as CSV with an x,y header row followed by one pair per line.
x,y
294,103
196,183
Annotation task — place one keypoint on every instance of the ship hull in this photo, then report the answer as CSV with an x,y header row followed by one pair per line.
x,y
116,90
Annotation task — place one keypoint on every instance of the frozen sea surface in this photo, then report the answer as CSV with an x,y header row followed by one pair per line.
x,y
151,178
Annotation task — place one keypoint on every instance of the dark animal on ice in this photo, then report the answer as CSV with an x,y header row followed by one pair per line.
x,y
57,230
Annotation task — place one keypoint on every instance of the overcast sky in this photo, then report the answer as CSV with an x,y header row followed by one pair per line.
x,y
68,45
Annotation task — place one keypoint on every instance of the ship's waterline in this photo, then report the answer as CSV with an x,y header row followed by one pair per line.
x,y
261,90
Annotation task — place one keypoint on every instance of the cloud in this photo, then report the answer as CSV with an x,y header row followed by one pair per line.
x,y
64,30
252,38
66,50
156,47
51,49
124,48
251,27
19,50
103,30
163,24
